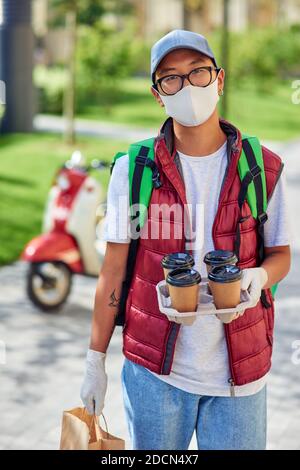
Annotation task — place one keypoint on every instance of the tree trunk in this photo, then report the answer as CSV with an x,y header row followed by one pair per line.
x,y
225,55
16,64
69,97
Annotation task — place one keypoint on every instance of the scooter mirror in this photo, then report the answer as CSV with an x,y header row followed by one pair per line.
x,y
99,164
95,163
77,159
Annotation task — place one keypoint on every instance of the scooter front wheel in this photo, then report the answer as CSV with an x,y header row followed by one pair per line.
x,y
48,285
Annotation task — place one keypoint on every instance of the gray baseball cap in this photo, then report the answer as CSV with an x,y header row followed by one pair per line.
x,y
179,39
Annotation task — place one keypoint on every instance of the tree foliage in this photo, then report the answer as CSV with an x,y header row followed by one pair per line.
x,y
88,11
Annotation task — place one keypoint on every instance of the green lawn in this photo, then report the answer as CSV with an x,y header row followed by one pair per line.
x,y
268,115
28,164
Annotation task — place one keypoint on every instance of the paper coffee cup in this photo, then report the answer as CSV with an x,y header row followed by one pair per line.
x,y
225,285
183,286
176,260
219,258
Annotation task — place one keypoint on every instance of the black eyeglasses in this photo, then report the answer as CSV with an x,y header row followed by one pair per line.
x,y
201,76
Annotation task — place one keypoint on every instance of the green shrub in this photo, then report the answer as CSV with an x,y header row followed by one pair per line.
x,y
104,58
264,56
50,83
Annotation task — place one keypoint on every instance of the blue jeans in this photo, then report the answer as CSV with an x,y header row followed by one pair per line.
x,y
163,417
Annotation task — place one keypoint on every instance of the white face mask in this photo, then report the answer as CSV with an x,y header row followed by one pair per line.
x,y
193,105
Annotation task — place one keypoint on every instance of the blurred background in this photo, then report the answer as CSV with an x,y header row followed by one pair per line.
x,y
74,77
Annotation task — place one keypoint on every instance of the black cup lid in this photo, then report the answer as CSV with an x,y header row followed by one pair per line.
x,y
177,260
226,273
183,277
220,257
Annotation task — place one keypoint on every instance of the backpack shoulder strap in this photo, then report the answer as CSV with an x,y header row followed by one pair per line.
x,y
253,188
252,174
143,176
253,184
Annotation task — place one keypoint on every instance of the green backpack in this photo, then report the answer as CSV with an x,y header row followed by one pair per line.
x,y
144,177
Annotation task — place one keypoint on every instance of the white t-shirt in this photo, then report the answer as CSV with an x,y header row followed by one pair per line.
x,y
200,363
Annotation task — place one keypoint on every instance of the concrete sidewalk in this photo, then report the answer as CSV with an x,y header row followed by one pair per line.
x,y
45,360
49,123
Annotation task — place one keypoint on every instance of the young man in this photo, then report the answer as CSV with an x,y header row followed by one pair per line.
x,y
208,376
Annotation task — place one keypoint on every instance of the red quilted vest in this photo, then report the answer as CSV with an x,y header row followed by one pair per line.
x,y
149,338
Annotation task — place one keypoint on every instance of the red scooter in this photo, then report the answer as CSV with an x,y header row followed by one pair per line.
x,y
71,239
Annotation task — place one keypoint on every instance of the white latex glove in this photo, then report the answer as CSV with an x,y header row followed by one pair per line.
x,y
94,385
228,318
253,280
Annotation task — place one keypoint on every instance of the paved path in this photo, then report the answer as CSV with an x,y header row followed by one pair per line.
x,y
45,355
45,363
48,123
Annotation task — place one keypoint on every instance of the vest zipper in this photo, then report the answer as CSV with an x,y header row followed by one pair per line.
x,y
232,392
166,359
231,380
166,365
233,150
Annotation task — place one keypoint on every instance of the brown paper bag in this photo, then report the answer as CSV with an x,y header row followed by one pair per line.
x,y
81,431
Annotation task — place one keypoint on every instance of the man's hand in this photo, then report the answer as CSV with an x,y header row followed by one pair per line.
x,y
254,280
94,385
229,317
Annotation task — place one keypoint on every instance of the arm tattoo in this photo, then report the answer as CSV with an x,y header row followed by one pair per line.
x,y
114,302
